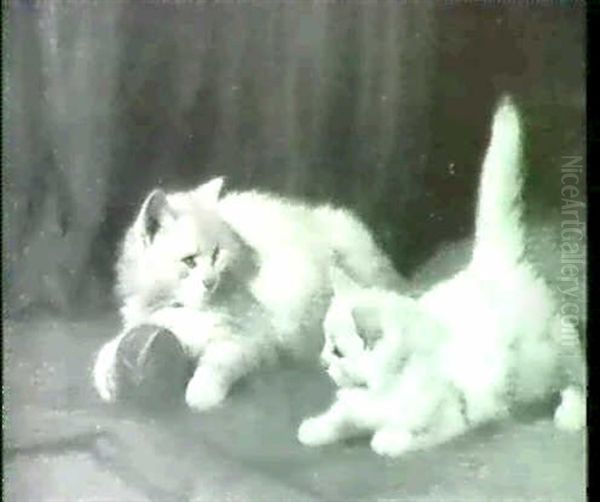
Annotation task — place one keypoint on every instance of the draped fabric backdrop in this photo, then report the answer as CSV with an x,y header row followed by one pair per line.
x,y
383,107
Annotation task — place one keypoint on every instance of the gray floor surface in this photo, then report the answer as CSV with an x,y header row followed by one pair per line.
x,y
62,443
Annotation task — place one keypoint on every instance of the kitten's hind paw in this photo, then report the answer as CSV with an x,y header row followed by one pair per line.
x,y
392,443
571,413
316,432
104,371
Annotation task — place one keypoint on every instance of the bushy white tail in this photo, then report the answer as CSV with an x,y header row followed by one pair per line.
x,y
499,231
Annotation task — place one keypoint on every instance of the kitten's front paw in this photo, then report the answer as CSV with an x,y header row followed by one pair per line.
x,y
390,443
104,371
205,391
316,432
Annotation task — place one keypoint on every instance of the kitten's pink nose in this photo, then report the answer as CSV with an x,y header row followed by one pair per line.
x,y
209,283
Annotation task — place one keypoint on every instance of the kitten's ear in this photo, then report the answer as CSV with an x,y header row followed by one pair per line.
x,y
210,191
153,210
341,281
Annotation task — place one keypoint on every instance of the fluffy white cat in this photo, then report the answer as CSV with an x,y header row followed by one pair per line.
x,y
417,372
239,278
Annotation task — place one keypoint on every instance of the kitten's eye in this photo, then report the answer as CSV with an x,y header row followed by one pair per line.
x,y
215,255
190,261
337,353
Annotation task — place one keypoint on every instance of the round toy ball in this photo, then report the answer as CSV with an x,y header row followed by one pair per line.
x,y
152,369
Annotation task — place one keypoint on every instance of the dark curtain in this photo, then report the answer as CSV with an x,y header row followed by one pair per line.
x,y
383,107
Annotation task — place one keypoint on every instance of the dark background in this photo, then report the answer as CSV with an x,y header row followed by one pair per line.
x,y
383,107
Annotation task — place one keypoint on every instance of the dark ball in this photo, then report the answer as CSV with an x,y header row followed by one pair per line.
x,y
152,369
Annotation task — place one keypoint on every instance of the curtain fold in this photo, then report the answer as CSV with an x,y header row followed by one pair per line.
x,y
364,104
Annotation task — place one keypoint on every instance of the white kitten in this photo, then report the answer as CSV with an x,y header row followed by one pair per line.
x,y
415,373
254,258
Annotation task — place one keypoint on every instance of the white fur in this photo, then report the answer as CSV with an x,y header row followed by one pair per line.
x,y
269,254
466,350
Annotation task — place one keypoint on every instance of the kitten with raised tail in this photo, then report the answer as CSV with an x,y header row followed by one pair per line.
x,y
239,277
413,373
